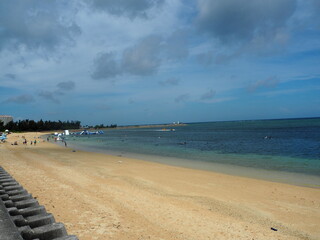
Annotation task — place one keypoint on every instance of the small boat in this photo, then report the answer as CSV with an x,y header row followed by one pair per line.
x,y
167,130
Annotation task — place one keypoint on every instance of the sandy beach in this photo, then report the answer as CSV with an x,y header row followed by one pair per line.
x,y
98,196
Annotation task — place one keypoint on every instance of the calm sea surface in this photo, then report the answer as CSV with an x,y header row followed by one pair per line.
x,y
288,145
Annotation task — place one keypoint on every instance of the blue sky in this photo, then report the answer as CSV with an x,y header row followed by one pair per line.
x,y
159,61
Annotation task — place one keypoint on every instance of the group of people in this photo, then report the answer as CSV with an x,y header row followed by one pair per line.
x,y
25,142
58,138
31,142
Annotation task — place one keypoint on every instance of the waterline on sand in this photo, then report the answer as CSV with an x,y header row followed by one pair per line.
x,y
293,178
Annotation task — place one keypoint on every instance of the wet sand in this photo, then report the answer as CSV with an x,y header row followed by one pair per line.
x,y
98,196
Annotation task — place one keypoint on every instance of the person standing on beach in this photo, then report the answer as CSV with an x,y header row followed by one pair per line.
x,y
35,141
65,143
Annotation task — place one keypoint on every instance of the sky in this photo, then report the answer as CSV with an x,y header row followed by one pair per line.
x,y
131,62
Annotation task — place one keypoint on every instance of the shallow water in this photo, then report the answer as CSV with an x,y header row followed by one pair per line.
x,y
292,145
287,146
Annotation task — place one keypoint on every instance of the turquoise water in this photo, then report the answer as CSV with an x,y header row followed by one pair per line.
x,y
287,145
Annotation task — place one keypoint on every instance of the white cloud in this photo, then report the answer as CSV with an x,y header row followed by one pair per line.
x,y
34,25
51,48
131,8
270,82
289,91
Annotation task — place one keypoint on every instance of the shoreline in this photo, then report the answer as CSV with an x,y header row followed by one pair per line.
x,y
293,178
164,125
98,196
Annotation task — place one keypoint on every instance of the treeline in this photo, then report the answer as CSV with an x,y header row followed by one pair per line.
x,y
104,126
31,125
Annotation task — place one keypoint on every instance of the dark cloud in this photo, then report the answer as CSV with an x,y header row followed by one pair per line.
x,y
22,99
105,66
269,82
208,95
177,45
10,76
35,25
50,96
182,98
143,58
170,82
129,8
66,86
311,17
242,20
56,94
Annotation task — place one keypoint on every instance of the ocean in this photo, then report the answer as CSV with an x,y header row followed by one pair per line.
x,y
283,146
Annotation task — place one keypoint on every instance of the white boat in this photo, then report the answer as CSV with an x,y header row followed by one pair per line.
x,y
167,130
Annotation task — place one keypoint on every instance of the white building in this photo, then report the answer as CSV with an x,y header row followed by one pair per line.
x,y
5,119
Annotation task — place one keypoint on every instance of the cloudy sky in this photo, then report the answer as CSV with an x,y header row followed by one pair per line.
x,y
159,61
